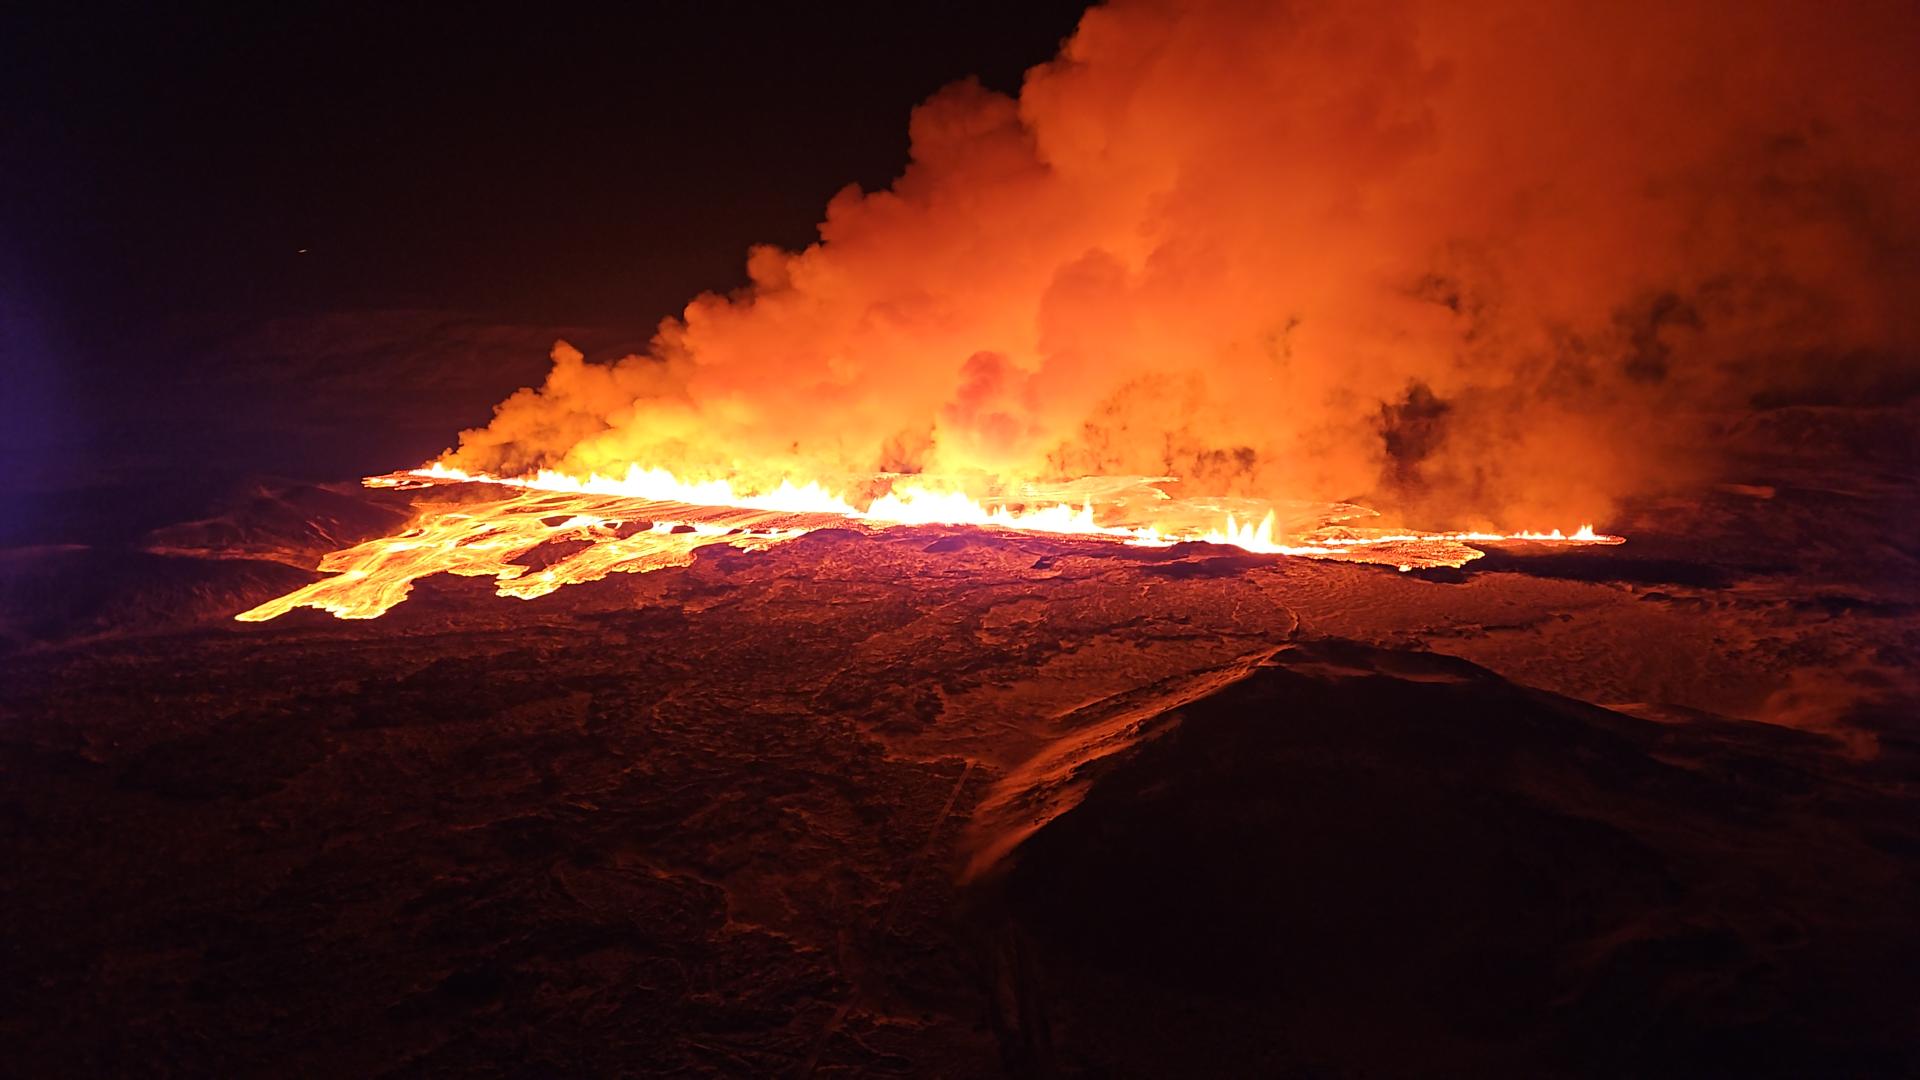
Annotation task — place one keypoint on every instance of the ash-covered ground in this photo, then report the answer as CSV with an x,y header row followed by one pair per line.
x,y
941,802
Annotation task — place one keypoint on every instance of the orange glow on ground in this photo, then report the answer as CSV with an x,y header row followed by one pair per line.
x,y
650,519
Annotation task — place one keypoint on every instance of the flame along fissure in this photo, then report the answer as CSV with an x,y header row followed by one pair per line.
x,y
651,519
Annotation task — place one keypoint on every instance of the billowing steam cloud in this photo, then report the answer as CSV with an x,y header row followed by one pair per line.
x,y
1484,261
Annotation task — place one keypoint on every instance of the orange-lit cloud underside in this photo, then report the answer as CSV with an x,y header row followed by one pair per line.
x,y
1504,261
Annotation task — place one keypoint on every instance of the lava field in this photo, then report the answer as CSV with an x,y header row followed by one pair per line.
x,y
946,801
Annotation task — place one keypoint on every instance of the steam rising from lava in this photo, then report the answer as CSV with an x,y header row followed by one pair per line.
x,y
1475,263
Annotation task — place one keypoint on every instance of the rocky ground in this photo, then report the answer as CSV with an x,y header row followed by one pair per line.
x,y
941,802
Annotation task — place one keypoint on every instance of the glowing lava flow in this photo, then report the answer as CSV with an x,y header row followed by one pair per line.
x,y
651,519
904,505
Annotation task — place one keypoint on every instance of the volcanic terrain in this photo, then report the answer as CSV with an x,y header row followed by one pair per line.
x,y
961,802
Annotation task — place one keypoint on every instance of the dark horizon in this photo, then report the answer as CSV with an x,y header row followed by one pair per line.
x,y
173,179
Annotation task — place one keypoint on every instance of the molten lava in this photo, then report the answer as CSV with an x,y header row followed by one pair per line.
x,y
650,519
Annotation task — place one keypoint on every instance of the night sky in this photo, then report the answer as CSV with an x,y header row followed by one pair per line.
x,y
172,178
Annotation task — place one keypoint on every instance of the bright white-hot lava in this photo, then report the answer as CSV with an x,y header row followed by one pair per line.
x,y
650,519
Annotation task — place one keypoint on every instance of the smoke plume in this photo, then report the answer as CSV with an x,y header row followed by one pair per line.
x,y
1500,261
